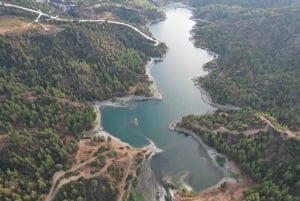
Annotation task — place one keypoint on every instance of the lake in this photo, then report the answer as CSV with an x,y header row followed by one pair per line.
x,y
183,160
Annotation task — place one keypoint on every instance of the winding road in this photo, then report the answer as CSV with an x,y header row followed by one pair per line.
x,y
123,182
40,14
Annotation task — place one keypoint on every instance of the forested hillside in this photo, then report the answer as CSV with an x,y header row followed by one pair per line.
x,y
259,64
247,3
271,161
84,60
136,12
258,69
46,78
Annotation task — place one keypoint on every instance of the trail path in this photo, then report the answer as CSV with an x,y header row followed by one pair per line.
x,y
58,175
63,182
286,132
223,129
123,182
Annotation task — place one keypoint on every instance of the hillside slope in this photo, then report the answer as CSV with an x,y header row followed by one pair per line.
x,y
46,78
258,64
257,69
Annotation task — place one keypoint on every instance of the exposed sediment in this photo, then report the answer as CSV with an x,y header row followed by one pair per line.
x,y
147,182
236,181
153,86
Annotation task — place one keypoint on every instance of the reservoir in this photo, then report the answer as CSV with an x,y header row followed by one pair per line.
x,y
183,160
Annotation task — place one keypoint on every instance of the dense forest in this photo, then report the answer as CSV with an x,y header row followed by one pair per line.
x,y
258,64
246,3
272,161
46,78
258,69
96,64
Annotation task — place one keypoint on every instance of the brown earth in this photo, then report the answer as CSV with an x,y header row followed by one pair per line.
x,y
125,157
10,24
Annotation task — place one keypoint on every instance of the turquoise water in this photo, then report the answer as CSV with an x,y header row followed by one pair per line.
x,y
182,158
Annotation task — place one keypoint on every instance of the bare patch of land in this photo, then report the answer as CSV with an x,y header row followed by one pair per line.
x,y
10,24
93,158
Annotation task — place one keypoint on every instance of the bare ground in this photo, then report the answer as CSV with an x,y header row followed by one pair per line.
x,y
85,155
10,24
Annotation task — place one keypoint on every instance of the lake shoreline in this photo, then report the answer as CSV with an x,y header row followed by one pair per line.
x,y
122,102
212,153
147,177
237,181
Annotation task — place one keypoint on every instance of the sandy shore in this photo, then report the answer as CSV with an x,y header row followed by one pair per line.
x,y
153,87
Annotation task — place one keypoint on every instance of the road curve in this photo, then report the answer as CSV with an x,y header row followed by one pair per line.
x,y
40,13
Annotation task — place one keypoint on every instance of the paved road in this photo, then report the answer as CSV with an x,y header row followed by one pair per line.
x,y
40,13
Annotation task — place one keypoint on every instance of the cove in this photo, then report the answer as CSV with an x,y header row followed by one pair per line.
x,y
183,159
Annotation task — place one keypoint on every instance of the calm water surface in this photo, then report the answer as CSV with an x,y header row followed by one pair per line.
x,y
182,158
